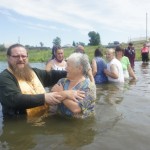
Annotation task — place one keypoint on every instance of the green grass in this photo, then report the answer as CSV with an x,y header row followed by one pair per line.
x,y
45,55
2,56
39,55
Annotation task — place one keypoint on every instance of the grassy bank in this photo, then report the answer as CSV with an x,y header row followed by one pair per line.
x,y
45,55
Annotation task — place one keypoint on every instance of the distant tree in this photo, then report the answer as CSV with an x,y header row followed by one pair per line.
x,y
116,42
41,44
57,41
94,38
81,43
2,47
100,41
73,44
27,46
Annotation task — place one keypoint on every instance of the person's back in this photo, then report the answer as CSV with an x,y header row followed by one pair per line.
x,y
98,66
100,77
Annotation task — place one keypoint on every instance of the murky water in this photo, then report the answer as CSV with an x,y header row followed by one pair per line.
x,y
122,122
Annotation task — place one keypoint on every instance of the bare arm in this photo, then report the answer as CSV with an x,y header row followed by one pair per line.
x,y
72,106
48,66
90,75
54,98
85,105
69,97
113,73
131,72
94,67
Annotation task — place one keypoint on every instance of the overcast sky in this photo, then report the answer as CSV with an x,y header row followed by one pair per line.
x,y
33,21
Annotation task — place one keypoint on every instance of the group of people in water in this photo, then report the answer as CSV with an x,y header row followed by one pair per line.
x,y
118,65
72,81
22,88
116,68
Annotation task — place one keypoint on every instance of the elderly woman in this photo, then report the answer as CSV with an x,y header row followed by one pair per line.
x,y
77,69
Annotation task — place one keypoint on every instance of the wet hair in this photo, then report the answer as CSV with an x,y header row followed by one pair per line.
x,y
118,49
130,44
110,50
80,59
98,53
79,49
54,50
13,46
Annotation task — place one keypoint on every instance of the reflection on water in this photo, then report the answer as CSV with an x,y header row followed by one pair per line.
x,y
121,122
144,68
110,93
56,132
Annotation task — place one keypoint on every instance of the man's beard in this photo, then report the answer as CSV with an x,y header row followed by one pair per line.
x,y
22,73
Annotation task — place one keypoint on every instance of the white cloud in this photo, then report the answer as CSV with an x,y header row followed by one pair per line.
x,y
114,16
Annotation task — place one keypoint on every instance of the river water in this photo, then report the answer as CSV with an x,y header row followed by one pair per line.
x,y
122,121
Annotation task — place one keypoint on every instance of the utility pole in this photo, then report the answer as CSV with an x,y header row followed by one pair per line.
x,y
146,27
19,39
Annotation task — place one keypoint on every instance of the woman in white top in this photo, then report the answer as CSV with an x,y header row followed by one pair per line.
x,y
58,63
114,70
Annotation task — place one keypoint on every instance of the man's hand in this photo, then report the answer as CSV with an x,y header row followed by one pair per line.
x,y
67,94
53,98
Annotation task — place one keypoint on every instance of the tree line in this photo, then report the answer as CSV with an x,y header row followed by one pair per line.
x,y
94,40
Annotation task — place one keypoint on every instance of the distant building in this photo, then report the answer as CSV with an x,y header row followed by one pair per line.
x,y
112,45
139,39
67,46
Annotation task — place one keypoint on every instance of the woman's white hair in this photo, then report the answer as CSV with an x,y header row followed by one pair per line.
x,y
80,59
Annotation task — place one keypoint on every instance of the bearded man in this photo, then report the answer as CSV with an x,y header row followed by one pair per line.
x,y
22,88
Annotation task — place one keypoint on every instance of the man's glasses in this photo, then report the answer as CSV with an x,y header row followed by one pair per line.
x,y
18,56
